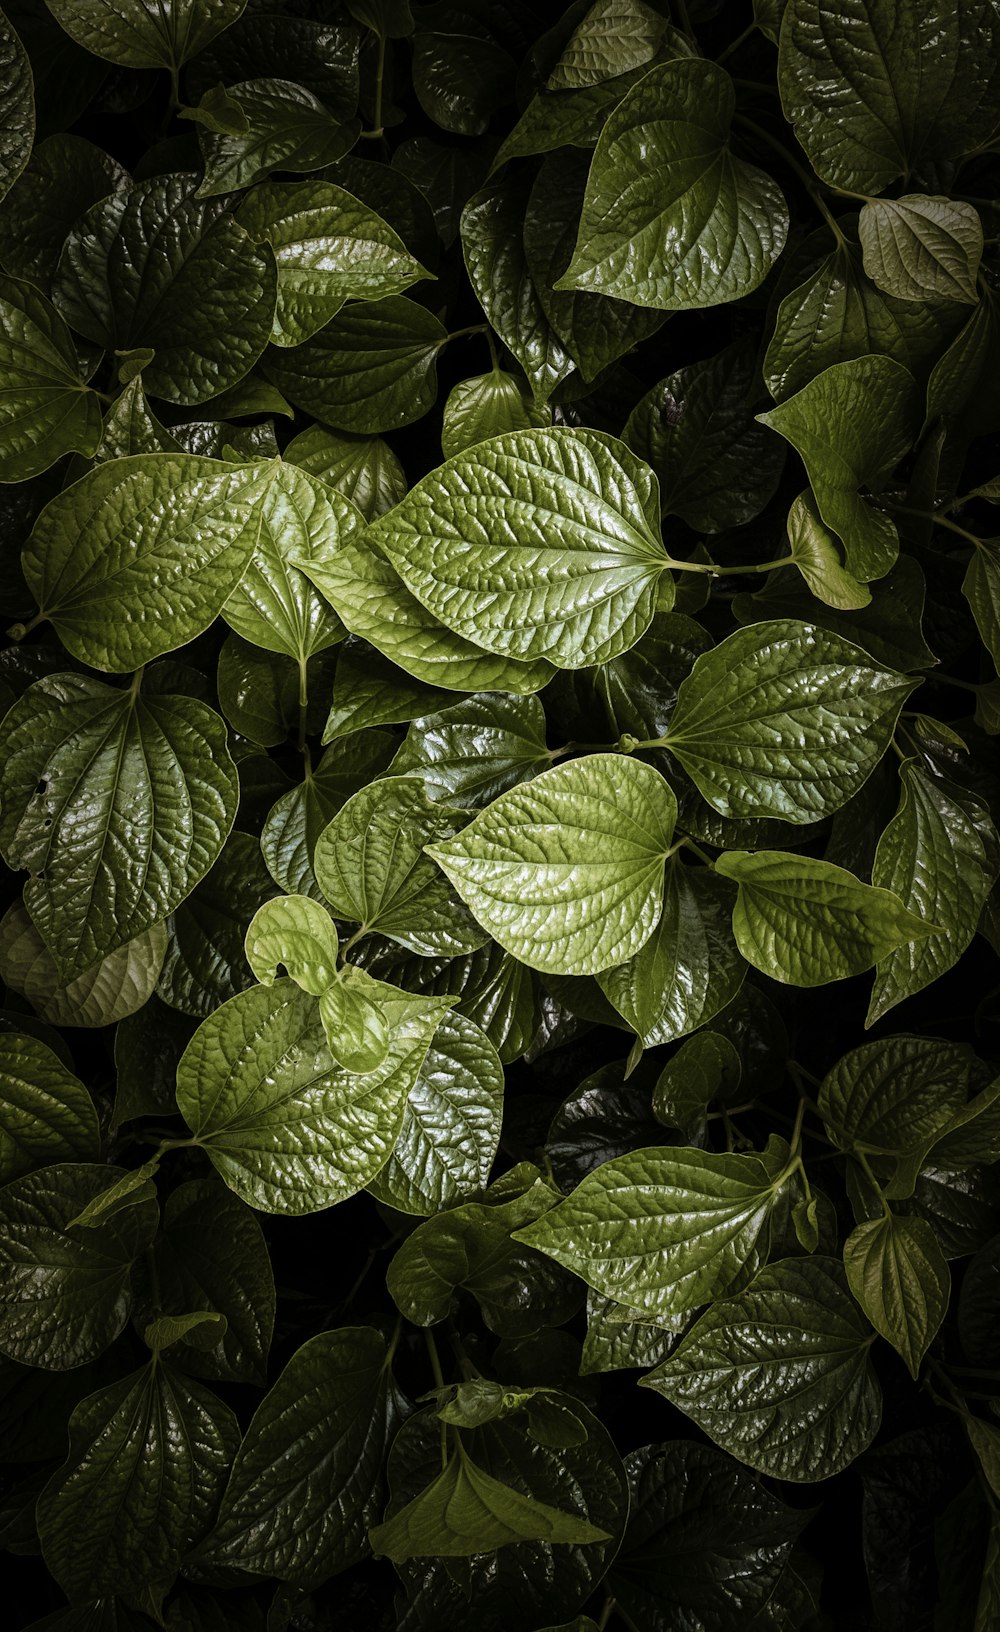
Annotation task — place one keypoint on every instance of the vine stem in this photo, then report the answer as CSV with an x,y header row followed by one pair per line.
x,y
807,179
734,45
939,520
303,702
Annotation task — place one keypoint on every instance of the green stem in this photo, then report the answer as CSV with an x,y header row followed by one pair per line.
x,y
606,1613
18,631
303,701
136,682
378,128
684,20
702,855
494,358
949,680
734,45
806,177
460,334
435,1358
939,520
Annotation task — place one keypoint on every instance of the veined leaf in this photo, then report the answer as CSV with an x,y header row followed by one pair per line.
x,y
64,176
484,406
17,106
47,410
363,468
110,990
613,37
889,1095
299,817
46,1114
475,750
705,1067
921,248
287,128
817,555
205,961
135,35
897,1272
981,588
530,871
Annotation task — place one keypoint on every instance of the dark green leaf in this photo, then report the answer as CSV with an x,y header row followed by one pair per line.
x,y
364,469
46,1114
17,106
109,990
472,752
897,1272
205,963
299,817
129,32
47,409
288,128
920,248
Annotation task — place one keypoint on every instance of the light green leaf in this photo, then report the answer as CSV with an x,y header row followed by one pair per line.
x,y
779,1376
205,962
376,605
369,690
876,92
17,106
147,1460
326,1422
690,967
137,35
941,855
93,812
132,1190
288,1129
784,719
288,128
46,1114
166,541
546,544
852,425
922,248
817,555
64,1293
329,247
663,1229
705,1067
47,410
275,606
530,870
484,406
370,865
299,817
363,468
117,986
898,1274
373,368
807,923
613,37
489,986
472,752
466,1511
671,219
981,588
717,467
451,1128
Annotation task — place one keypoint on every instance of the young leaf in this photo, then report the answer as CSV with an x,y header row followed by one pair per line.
x,y
296,821
47,410
671,219
784,718
17,106
529,870
46,1114
487,405
779,1376
807,922
93,810
664,1230
897,1272
132,34
817,555
921,248
546,545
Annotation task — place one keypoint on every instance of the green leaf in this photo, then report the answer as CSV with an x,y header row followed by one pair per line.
x,y
475,750
466,1511
460,77
717,467
130,428
818,557
922,248
205,962
64,1293
373,368
93,809
17,106
807,923
852,425
941,855
167,539
706,1544
786,719
210,1254
147,1459
897,1272
887,94
326,1424
451,1129
135,1188
64,176
116,285
329,247
369,690
530,872
704,1068
109,990
614,37
364,469
489,986
665,1230
169,1330
46,1114
888,1096
288,128
981,588
622,1339
299,817
135,35
289,1130
689,969
370,865
546,545
47,409
671,219
484,406
779,1376
633,694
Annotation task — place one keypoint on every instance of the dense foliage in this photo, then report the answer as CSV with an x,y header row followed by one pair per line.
x,y
499,1121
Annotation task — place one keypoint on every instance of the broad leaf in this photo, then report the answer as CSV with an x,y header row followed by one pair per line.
x,y
287,128
779,1376
329,247
546,545
46,1114
671,219
299,817
981,588
807,922
47,410
705,1067
484,406
921,248
489,986
326,1423
64,1292
622,1339
290,1130
784,719
665,1230
363,468
64,176
475,750
529,870
136,35
147,1459
17,106
897,1272
817,555
93,809
852,425
887,1096
117,986
205,962
613,37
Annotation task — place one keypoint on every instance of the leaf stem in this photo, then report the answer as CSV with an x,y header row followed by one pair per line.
x,y
378,128
435,1358
806,177
460,334
939,520
303,701
734,45
702,855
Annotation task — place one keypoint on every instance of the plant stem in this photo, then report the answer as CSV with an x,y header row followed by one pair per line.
x,y
806,177
303,702
378,128
939,520
734,45
435,1358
